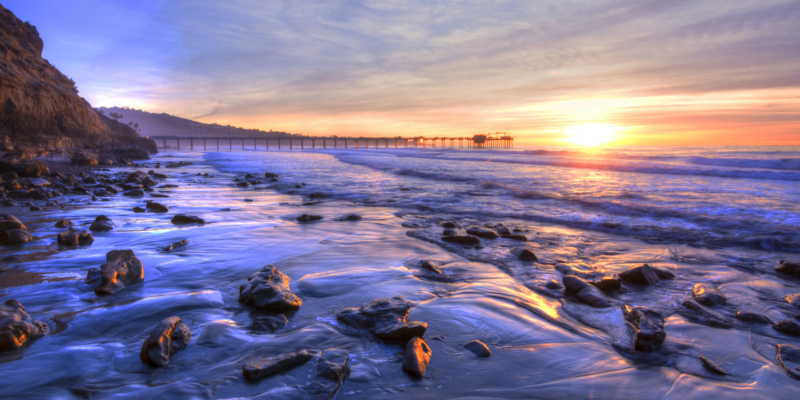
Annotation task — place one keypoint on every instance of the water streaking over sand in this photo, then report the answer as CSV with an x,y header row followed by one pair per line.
x,y
723,230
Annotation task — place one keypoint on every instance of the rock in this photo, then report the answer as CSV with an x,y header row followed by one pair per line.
x,y
74,237
482,232
133,193
706,316
712,366
9,176
747,316
90,180
36,208
787,327
17,327
83,158
465,240
376,313
271,175
170,336
333,368
102,224
607,283
122,268
242,184
793,299
269,323
401,332
449,225
139,210
645,275
157,207
524,254
432,266
348,217
9,222
64,223
131,186
788,268
585,291
265,367
416,358
305,218
478,348
647,327
9,203
553,285
521,238
708,295
179,219
137,177
23,166
449,232
15,236
176,245
789,359
113,189
268,290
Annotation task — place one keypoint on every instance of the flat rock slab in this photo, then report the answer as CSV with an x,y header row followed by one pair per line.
x,y
265,367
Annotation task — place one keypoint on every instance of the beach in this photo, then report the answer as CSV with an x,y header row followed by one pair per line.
x,y
722,218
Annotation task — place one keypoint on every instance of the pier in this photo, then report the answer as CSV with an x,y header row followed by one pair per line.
x,y
499,141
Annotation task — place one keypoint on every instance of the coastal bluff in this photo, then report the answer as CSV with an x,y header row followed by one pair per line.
x,y
40,108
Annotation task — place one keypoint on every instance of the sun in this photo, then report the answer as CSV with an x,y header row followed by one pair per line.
x,y
591,134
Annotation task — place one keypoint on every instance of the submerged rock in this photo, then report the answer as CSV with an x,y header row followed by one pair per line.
x,y
387,318
139,210
269,323
432,266
521,238
102,223
170,336
706,316
646,275
268,290
179,219
333,368
748,316
465,240
17,327
449,225
789,359
306,218
585,291
15,236
787,327
122,268
74,237
482,232
708,295
524,254
133,193
647,327
793,299
176,245
64,223
157,207
265,367
271,175
416,358
712,366
348,217
789,268
478,348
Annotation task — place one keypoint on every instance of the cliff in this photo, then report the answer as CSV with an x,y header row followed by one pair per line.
x,y
40,107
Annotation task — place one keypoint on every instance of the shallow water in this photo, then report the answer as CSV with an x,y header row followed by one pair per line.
x,y
707,226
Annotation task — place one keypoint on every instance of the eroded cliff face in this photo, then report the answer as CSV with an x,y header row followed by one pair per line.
x,y
39,106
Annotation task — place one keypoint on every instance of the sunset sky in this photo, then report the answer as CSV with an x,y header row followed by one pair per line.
x,y
649,72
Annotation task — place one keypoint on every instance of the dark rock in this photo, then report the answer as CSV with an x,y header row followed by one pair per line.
x,y
269,323
449,225
449,232
64,223
134,193
789,268
102,224
74,237
332,370
432,266
17,327
23,166
83,158
553,285
113,189
793,299
265,367
787,327
131,186
416,358
401,331
647,327
482,232
15,236
465,240
36,208
585,291
524,254
521,238
242,184
139,210
176,245
789,359
271,175
708,295
305,218
503,230
157,207
90,180
645,275
9,222
712,366
122,268
478,348
10,176
9,203
170,336
706,316
179,219
137,177
747,316
376,313
268,290
348,217
608,283
159,195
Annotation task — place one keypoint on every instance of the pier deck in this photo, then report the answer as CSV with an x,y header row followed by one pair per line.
x,y
297,143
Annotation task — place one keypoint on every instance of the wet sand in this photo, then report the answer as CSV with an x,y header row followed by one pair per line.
x,y
543,346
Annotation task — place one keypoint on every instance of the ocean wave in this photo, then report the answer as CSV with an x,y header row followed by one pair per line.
x,y
782,163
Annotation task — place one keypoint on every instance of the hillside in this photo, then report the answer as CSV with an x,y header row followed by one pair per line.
x,y
153,124
40,107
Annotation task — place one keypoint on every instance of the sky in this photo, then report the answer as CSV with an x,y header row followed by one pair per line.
x,y
641,72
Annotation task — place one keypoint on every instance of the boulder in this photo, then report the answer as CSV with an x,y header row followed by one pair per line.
x,y
482,232
646,326
464,240
168,337
122,268
181,219
74,237
23,166
15,236
306,218
708,295
645,275
478,348
9,222
264,367
84,158
268,290
137,177
157,207
102,224
432,266
64,223
585,291
17,327
524,254
787,327
332,370
270,323
789,359
416,358
788,268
